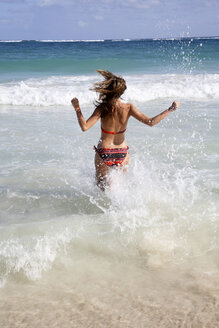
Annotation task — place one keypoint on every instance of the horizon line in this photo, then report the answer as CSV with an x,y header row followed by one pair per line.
x,y
117,39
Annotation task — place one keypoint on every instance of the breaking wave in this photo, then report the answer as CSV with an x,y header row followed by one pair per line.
x,y
58,90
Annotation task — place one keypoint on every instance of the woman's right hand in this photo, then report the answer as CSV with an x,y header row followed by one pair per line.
x,y
75,103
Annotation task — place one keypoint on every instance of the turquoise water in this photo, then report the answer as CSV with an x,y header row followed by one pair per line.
x,y
149,244
46,73
32,58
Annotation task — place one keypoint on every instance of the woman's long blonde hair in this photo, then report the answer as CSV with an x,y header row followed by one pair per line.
x,y
109,90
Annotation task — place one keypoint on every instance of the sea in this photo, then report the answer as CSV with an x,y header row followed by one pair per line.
x,y
143,253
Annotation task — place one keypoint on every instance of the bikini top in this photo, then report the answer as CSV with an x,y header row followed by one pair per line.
x,y
110,132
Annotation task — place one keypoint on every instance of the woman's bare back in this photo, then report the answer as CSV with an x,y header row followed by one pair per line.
x,y
115,121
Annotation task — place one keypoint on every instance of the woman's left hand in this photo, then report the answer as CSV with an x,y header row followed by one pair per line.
x,y
174,106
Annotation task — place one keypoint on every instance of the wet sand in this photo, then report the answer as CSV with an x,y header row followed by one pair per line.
x,y
125,297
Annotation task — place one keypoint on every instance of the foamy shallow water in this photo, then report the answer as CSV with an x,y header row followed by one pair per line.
x,y
143,253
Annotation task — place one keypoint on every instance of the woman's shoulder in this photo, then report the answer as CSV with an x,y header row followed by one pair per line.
x,y
131,106
126,105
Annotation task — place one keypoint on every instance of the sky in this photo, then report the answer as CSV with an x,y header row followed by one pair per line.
x,y
107,19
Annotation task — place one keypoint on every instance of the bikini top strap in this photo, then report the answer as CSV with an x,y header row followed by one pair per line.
x,y
110,132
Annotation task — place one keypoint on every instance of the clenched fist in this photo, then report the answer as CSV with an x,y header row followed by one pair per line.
x,y
174,106
75,103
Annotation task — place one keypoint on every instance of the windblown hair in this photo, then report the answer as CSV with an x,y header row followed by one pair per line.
x,y
109,90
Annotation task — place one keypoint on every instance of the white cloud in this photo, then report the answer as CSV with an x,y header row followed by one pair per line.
x,y
210,3
138,4
82,23
12,1
47,3
4,21
99,17
141,4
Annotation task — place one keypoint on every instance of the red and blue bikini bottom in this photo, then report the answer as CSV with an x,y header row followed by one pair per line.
x,y
112,156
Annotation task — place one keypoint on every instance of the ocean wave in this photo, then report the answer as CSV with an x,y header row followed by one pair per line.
x,y
70,40
11,41
117,40
33,257
206,38
58,90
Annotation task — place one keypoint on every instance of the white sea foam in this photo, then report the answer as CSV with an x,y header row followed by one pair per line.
x,y
207,38
70,40
11,41
58,90
32,257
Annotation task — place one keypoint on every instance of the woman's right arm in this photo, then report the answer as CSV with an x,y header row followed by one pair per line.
x,y
154,120
85,124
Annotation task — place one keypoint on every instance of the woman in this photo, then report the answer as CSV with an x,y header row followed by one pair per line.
x,y
112,149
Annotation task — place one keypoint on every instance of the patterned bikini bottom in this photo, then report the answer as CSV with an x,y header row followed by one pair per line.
x,y
112,156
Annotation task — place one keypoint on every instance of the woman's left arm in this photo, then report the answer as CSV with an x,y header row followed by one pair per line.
x,y
85,125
